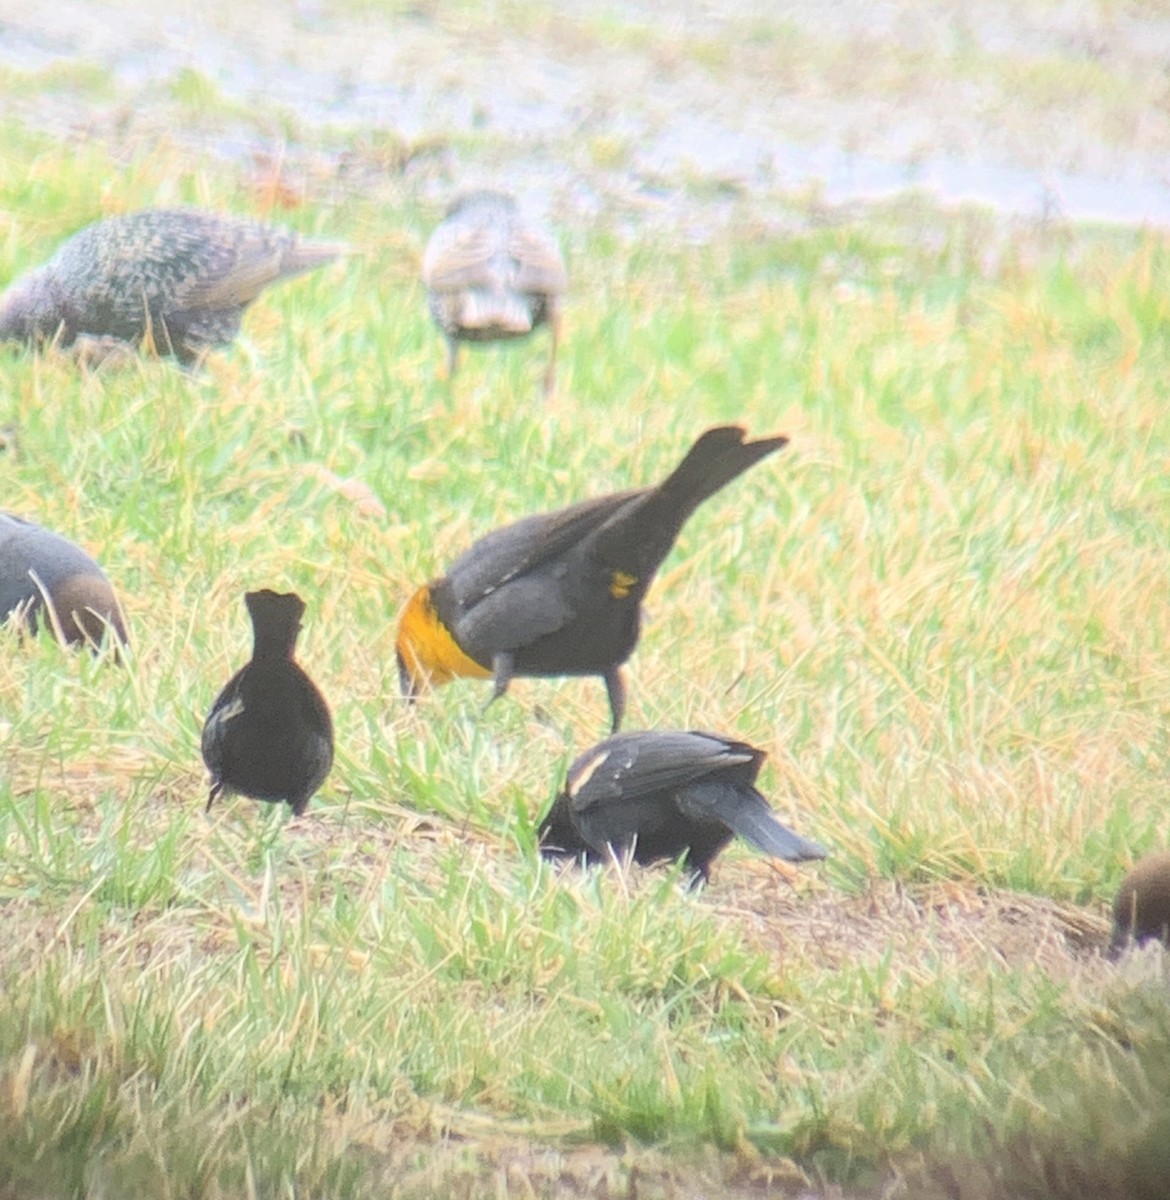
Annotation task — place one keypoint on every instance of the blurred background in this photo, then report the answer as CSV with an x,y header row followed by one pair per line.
x,y
633,112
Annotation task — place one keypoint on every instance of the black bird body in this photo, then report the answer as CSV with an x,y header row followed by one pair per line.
x,y
183,276
35,563
269,734
561,593
492,276
666,794
1141,909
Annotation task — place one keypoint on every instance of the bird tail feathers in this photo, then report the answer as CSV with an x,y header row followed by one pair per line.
x,y
712,462
306,255
745,812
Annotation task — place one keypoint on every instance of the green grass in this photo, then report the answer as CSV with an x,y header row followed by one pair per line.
x,y
941,610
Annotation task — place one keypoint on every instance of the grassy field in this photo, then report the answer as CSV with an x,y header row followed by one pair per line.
x,y
942,611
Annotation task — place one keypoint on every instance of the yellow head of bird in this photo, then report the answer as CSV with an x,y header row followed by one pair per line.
x,y
427,650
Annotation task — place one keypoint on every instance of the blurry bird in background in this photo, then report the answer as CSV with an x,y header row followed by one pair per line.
x,y
178,279
491,276
269,734
1141,910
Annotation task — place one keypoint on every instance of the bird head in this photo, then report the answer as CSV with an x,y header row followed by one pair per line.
x,y
426,649
27,309
276,621
86,610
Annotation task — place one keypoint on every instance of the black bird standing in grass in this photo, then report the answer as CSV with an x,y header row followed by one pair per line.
x,y
661,794
180,278
39,566
561,593
491,276
1141,910
269,734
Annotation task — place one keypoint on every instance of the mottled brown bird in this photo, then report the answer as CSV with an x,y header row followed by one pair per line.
x,y
46,579
664,794
177,278
1141,910
269,734
491,276
561,593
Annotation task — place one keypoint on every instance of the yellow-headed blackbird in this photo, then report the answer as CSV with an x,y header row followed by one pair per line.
x,y
561,593
183,276
491,276
1141,911
269,734
40,569
662,794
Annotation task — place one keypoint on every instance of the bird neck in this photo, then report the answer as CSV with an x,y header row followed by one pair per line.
x,y
274,647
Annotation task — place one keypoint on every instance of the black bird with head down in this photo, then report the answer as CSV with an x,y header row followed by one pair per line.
x,y
662,794
492,276
40,570
1141,909
181,277
269,734
561,593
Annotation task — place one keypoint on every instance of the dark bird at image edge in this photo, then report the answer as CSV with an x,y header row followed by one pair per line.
x,y
1141,909
561,593
269,734
666,794
39,567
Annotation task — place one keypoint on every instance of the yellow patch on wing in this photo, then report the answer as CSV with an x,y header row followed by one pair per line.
x,y
620,584
427,648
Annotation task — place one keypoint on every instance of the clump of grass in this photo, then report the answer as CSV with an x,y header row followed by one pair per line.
x,y
1092,1122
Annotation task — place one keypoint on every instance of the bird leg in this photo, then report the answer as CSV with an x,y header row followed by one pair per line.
x,y
550,373
503,665
699,878
452,357
615,689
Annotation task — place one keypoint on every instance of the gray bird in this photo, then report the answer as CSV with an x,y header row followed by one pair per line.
x,y
1141,910
40,568
491,276
665,794
179,278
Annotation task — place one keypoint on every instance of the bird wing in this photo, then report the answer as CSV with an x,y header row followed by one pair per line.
x,y
516,615
744,811
539,265
258,258
228,705
628,766
507,554
461,256
239,282
317,754
318,722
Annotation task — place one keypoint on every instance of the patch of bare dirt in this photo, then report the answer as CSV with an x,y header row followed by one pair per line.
x,y
794,915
